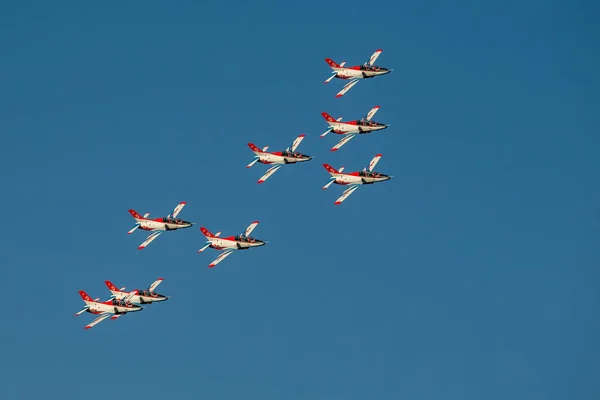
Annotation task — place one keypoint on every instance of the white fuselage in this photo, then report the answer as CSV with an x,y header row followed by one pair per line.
x,y
276,159
346,179
138,299
223,243
114,309
149,224
344,128
347,73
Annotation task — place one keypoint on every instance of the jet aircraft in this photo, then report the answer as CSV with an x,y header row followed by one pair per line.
x,y
141,296
158,225
355,73
113,308
278,158
354,179
231,243
350,129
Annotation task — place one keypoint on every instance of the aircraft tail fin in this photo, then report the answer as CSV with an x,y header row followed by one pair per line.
x,y
327,117
111,287
206,232
135,214
330,169
254,148
332,63
85,297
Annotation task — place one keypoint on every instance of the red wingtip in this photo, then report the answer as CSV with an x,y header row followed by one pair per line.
x,y
211,266
338,95
87,327
334,150
260,181
302,135
379,50
255,222
140,248
378,155
183,202
337,203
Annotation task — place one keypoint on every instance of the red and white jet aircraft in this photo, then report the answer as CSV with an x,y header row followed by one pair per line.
x,y
231,243
287,156
355,73
351,129
354,179
158,225
105,309
138,296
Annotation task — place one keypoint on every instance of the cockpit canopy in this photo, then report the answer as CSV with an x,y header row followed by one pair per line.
x,y
121,303
147,293
372,174
176,221
295,154
246,239
373,68
364,122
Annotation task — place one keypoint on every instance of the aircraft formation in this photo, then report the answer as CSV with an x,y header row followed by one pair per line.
x,y
122,302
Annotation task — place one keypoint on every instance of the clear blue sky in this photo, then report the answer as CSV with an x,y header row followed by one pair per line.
x,y
473,274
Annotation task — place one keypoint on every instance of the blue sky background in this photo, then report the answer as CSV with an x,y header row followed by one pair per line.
x,y
472,274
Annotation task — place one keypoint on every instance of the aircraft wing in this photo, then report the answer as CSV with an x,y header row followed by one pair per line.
x,y
296,143
372,113
344,140
130,296
374,57
149,239
178,209
250,228
99,319
346,193
221,257
269,172
155,284
374,162
347,87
